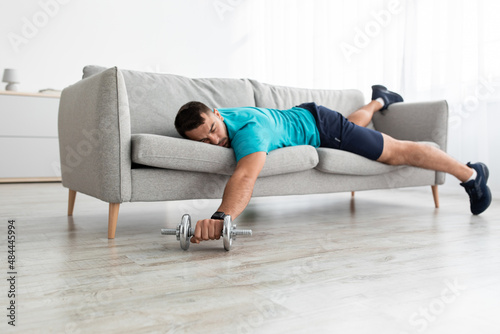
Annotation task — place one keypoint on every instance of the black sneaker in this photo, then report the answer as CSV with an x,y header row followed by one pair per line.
x,y
479,192
386,95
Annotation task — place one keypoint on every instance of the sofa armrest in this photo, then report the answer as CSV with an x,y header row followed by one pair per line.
x,y
94,137
420,121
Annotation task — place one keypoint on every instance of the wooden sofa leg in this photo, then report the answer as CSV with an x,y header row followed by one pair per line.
x,y
112,219
71,202
435,195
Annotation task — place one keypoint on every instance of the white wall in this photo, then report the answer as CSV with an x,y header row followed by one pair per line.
x,y
276,41
51,40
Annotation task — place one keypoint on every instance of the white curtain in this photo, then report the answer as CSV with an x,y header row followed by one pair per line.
x,y
320,43
453,53
425,49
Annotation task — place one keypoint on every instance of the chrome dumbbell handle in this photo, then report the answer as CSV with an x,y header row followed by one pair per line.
x,y
169,231
236,232
233,232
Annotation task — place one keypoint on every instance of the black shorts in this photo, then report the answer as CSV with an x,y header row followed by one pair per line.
x,y
336,131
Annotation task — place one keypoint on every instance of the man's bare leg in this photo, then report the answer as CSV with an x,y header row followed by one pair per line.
x,y
474,177
402,152
363,116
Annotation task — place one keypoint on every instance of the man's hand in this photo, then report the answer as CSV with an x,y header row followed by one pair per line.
x,y
207,229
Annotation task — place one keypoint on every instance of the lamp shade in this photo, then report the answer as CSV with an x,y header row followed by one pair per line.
x,y
11,75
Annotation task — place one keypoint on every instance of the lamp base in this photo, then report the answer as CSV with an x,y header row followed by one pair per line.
x,y
12,86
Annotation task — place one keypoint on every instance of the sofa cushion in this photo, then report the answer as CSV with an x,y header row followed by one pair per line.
x,y
342,162
188,155
155,98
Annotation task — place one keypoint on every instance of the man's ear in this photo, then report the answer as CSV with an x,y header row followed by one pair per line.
x,y
217,113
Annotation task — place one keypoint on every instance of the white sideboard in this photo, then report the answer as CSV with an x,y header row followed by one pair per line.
x,y
29,147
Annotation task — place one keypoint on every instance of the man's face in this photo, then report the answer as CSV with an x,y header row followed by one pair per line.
x,y
213,131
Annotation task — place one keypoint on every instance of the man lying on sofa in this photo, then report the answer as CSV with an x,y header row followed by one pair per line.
x,y
253,132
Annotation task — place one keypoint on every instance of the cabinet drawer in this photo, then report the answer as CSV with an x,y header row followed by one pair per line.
x,y
28,116
29,157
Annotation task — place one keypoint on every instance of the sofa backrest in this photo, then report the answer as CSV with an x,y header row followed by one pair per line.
x,y
155,98
280,97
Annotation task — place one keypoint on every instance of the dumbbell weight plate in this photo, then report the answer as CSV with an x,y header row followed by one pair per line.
x,y
184,229
226,233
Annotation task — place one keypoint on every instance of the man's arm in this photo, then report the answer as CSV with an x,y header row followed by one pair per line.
x,y
236,196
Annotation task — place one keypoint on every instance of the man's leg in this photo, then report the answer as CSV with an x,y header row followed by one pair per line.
x,y
382,98
363,116
398,152
401,152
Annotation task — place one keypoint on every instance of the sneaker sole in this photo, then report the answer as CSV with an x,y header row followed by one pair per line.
x,y
487,205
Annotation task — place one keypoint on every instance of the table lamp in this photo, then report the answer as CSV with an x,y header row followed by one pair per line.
x,y
11,76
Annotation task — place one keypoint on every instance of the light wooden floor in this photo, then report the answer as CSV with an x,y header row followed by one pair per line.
x,y
319,263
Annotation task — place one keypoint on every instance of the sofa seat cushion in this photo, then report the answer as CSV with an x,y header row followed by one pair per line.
x,y
182,154
342,162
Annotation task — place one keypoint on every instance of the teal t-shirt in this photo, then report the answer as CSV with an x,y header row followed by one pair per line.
x,y
253,129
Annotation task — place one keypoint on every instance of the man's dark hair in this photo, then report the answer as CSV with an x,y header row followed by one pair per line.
x,y
189,117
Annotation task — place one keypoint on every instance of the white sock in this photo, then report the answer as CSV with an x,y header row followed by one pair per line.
x,y
381,101
473,177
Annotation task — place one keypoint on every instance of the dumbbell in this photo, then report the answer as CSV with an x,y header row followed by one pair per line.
x,y
184,232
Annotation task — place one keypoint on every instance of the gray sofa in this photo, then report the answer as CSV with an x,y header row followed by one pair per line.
x,y
118,142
